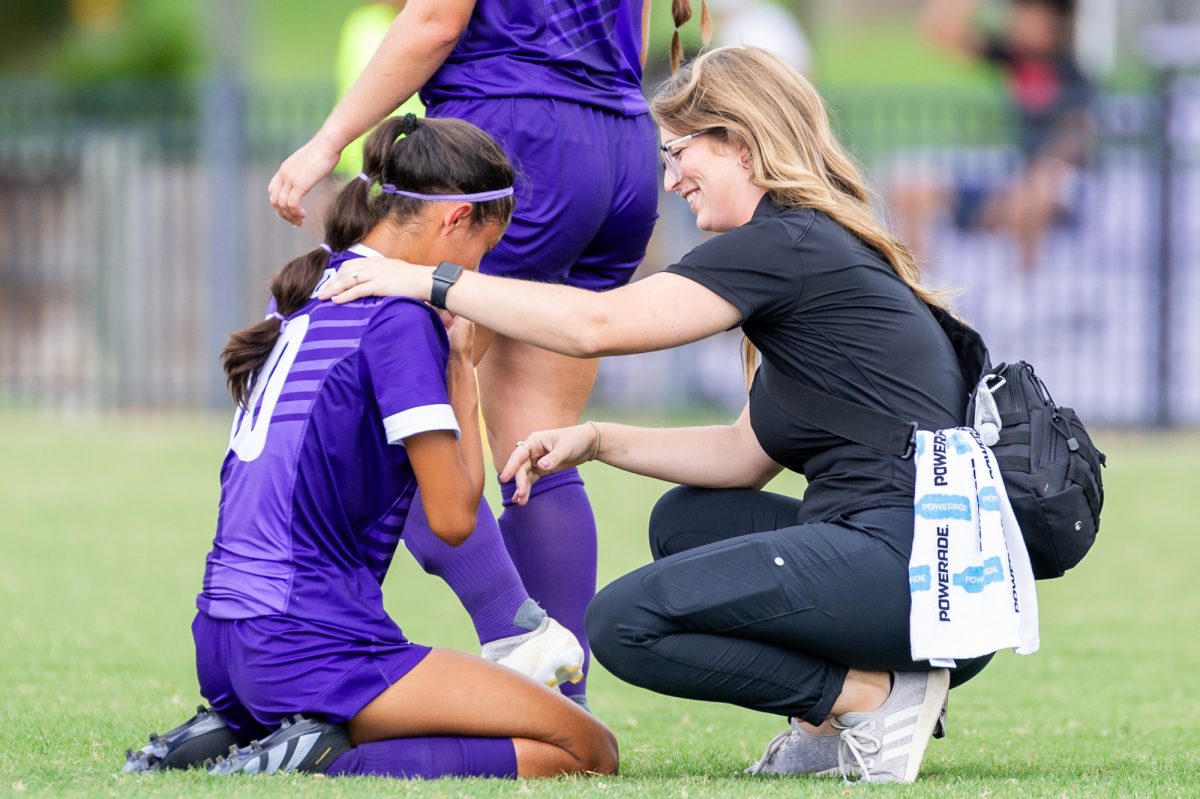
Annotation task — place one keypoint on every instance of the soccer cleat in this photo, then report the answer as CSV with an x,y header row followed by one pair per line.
x,y
797,751
550,654
302,744
187,746
888,744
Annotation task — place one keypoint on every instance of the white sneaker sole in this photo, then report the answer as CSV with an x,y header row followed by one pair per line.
x,y
937,688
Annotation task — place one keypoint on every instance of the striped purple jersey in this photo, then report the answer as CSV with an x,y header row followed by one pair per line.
x,y
585,52
316,484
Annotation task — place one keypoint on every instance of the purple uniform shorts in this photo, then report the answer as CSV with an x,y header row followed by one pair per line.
x,y
586,191
256,672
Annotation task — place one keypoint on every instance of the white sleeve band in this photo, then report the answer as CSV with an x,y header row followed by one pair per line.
x,y
420,419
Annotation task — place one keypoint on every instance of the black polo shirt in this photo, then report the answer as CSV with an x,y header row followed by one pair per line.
x,y
827,310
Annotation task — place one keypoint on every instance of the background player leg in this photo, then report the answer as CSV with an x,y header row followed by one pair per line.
x,y
552,539
479,571
513,629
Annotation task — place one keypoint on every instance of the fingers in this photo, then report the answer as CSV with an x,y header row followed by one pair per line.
x,y
350,283
519,467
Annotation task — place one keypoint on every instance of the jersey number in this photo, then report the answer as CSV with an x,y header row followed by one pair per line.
x,y
249,434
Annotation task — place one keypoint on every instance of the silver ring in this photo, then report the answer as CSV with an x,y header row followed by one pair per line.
x,y
522,444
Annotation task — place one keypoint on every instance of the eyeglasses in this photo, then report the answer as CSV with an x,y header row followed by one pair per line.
x,y
668,158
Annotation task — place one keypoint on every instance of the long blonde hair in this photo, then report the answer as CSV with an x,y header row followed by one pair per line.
x,y
753,98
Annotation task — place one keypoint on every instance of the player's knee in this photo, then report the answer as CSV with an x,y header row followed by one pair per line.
x,y
605,757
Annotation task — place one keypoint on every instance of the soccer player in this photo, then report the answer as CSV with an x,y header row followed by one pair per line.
x,y
343,411
558,84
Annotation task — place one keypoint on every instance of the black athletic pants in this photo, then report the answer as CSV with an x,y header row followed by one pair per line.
x,y
743,605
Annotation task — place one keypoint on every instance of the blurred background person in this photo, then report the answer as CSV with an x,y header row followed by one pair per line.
x,y
361,34
765,24
1049,96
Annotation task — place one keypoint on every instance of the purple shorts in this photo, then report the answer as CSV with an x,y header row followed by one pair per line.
x,y
586,191
256,672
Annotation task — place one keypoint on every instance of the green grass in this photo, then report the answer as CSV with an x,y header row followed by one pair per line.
x,y
106,522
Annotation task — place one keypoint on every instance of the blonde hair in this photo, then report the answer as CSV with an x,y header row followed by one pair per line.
x,y
749,97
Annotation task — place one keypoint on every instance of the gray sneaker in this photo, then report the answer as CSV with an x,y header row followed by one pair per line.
x,y
797,751
888,744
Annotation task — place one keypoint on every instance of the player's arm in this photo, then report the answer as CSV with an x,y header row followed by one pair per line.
x,y
449,470
655,313
716,456
421,38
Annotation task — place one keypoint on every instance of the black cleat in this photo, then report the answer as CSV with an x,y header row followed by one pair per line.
x,y
302,744
201,737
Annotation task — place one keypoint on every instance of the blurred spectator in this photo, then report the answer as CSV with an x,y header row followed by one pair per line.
x,y
761,23
362,31
1049,96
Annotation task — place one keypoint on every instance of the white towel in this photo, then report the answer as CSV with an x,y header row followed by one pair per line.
x,y
969,574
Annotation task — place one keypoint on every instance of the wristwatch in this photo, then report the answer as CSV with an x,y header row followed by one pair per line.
x,y
443,278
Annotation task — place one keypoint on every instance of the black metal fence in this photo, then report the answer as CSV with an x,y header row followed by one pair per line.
x,y
135,234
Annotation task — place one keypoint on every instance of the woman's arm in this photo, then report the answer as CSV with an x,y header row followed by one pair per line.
x,y
449,471
422,37
719,456
655,313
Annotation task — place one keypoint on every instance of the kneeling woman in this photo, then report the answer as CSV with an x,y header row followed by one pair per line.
x,y
344,410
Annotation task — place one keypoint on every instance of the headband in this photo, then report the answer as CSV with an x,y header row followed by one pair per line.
x,y
474,197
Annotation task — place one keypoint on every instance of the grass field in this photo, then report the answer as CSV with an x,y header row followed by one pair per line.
x,y
105,525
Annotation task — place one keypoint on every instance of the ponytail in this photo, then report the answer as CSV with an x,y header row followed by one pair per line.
x,y
681,12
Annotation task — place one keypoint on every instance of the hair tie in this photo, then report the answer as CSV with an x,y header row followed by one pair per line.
x,y
409,125
326,248
274,315
364,177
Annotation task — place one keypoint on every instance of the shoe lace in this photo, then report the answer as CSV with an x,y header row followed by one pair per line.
x,y
778,743
858,740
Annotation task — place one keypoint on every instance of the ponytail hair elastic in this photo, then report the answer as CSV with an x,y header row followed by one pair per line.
x,y
408,125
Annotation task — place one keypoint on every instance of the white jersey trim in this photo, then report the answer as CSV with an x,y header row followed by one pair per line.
x,y
420,419
366,252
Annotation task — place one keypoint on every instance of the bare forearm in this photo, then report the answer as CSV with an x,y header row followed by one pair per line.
x,y
706,457
414,48
464,400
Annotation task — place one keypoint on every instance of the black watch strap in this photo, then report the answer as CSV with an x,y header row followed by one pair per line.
x,y
444,276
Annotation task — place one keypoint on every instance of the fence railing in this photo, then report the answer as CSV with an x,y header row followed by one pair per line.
x,y
135,234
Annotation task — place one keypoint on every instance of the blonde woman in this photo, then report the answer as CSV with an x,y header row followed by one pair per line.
x,y
797,607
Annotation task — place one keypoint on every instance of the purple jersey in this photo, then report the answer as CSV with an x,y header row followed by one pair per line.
x,y
316,484
587,53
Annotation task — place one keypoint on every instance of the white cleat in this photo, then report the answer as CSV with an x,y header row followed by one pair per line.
x,y
550,654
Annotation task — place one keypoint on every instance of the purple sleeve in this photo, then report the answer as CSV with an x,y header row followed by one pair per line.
x,y
404,353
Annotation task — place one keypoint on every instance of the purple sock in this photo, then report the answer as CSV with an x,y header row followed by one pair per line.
x,y
429,758
480,571
552,540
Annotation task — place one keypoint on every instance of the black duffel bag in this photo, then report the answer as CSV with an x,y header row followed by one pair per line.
x,y
1050,466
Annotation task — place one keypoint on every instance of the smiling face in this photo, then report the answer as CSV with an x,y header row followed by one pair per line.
x,y
714,178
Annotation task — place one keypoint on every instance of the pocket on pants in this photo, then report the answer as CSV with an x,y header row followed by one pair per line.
x,y
721,587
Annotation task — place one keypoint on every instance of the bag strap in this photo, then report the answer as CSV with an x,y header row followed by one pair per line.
x,y
851,421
